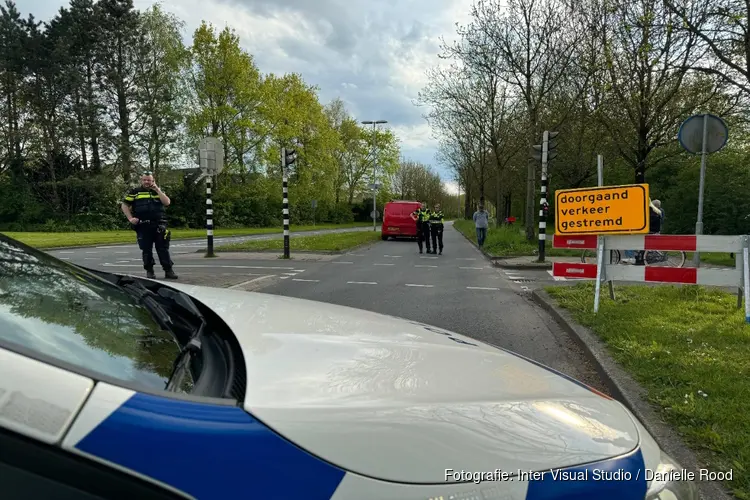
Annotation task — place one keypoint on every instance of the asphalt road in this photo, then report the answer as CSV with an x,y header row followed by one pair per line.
x,y
458,290
126,254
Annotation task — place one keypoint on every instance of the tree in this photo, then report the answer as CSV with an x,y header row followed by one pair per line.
x,y
162,59
722,31
117,57
535,45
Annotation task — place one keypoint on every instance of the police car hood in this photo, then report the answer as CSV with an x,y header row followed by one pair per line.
x,y
402,401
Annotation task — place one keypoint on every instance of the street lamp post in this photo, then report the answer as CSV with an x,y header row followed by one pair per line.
x,y
374,166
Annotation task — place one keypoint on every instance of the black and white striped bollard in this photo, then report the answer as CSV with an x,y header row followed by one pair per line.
x,y
209,219
286,203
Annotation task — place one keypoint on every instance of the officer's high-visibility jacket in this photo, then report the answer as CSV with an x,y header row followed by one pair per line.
x,y
145,204
436,217
422,215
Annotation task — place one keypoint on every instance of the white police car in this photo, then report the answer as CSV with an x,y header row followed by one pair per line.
x,y
116,387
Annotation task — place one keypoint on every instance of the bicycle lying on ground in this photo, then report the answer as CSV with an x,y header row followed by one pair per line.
x,y
650,257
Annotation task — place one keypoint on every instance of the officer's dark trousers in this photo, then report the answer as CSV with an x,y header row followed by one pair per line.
x,y
423,234
437,236
154,236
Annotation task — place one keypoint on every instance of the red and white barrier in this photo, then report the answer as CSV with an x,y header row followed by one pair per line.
x,y
651,274
738,276
662,242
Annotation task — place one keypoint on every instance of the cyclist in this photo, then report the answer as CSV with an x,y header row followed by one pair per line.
x,y
655,219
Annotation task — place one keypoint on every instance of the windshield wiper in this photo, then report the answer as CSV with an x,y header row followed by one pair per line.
x,y
146,297
182,361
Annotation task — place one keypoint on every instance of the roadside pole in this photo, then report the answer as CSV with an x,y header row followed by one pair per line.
x,y
286,202
543,200
600,183
211,161
209,220
746,277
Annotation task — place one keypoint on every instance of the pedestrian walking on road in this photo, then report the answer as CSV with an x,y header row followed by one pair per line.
x,y
422,218
436,229
144,208
481,223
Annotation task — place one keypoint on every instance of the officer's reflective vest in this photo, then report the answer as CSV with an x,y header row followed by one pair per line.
x,y
422,215
145,204
436,217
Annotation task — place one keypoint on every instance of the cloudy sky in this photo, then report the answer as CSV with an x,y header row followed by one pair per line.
x,y
371,53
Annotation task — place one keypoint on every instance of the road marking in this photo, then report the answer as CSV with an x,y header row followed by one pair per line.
x,y
291,274
68,251
306,281
376,264
479,268
516,277
464,258
556,278
425,286
121,252
480,288
90,258
208,267
428,257
361,283
124,261
64,258
238,285
525,288
356,254
393,256
92,252
418,265
340,262
298,270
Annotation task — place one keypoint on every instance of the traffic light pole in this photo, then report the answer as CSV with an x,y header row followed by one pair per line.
x,y
209,219
543,205
286,203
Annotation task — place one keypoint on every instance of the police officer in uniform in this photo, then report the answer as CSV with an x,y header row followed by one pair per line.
x,y
422,217
144,208
436,228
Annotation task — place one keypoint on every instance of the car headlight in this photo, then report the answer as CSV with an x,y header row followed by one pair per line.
x,y
670,482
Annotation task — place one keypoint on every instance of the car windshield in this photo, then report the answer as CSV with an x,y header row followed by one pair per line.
x,y
66,313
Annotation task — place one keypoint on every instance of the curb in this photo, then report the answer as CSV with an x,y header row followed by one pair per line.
x,y
626,390
497,262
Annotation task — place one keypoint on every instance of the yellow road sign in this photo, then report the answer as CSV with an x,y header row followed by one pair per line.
x,y
603,210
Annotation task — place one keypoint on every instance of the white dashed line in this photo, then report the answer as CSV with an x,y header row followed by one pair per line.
x,y
393,256
480,288
122,261
200,266
463,258
64,258
120,253
376,264
479,268
428,257
361,283
356,254
340,262
238,285
90,258
423,266
68,251
306,281
92,252
424,286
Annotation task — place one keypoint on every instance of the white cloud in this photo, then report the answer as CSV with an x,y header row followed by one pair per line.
x,y
373,55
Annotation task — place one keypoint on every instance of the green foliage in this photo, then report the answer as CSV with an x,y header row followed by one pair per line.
x,y
103,91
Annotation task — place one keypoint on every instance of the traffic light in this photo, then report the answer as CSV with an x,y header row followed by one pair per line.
x,y
290,157
552,146
536,153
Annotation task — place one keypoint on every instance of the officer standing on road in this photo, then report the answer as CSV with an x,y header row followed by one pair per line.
x,y
144,208
422,217
436,228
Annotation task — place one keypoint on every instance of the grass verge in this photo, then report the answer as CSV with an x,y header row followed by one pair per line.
x,y
333,242
690,348
88,238
509,241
